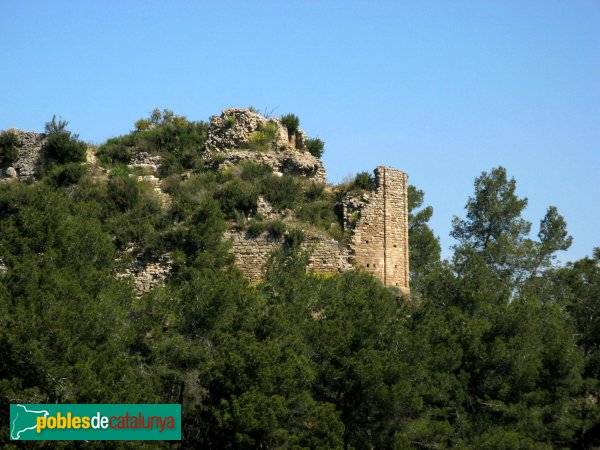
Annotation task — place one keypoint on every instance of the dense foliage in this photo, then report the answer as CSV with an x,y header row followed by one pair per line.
x,y
62,146
315,146
291,122
498,349
8,149
178,141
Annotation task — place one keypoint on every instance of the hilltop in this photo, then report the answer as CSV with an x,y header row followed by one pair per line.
x,y
268,178
210,264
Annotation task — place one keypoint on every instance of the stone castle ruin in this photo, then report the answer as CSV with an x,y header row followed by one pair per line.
x,y
380,237
377,220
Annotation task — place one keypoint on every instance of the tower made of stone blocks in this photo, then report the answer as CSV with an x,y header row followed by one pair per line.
x,y
380,235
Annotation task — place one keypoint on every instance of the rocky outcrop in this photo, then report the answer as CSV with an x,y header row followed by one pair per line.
x,y
27,165
231,136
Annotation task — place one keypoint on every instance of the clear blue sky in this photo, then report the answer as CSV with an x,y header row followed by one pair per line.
x,y
442,90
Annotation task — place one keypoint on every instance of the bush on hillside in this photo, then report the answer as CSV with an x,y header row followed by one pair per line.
x,y
364,180
65,175
276,228
262,138
8,148
282,192
315,146
61,145
256,228
237,196
291,122
294,238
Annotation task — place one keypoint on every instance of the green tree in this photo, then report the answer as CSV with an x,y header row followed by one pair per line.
x,y
291,122
315,146
61,145
495,234
424,246
361,349
8,148
364,180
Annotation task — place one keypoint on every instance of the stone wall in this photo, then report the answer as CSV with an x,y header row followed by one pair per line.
x,y
148,272
325,255
251,254
379,240
29,145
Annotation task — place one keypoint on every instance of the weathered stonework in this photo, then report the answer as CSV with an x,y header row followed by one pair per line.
x,y
251,254
234,127
380,234
229,135
148,272
149,163
27,165
325,255
378,221
283,162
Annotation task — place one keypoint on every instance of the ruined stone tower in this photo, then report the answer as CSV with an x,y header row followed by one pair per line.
x,y
380,236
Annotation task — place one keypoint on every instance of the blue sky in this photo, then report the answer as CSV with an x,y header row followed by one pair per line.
x,y
442,90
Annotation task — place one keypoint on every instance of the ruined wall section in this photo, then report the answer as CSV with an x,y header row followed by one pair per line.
x,y
27,165
147,272
251,254
230,136
379,240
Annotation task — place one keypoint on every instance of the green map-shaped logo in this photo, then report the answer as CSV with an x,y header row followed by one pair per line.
x,y
23,420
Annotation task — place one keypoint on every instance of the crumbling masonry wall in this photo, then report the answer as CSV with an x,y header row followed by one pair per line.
x,y
380,237
251,254
378,221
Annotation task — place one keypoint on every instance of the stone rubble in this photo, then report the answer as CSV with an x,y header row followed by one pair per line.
x,y
144,160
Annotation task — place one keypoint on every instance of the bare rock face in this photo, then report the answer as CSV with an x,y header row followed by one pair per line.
x,y
231,135
29,145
